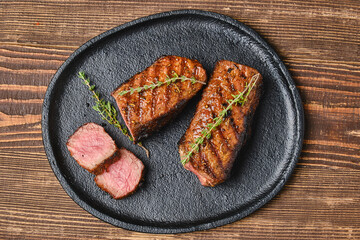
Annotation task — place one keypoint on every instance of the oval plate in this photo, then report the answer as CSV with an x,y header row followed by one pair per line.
x,y
172,200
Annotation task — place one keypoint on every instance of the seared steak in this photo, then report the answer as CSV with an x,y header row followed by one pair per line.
x,y
148,110
213,162
90,146
121,176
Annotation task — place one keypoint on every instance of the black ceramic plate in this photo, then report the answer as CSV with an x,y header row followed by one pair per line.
x,y
172,200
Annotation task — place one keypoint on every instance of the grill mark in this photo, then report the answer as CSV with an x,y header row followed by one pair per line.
x,y
179,83
153,91
146,110
187,84
140,99
232,87
168,87
218,158
187,148
223,139
231,116
135,100
160,97
240,111
234,126
197,158
231,126
128,107
222,99
206,164
217,130
174,95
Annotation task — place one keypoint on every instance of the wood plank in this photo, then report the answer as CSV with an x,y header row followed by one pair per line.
x,y
319,42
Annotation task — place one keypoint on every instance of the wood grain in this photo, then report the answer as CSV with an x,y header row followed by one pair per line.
x,y
319,42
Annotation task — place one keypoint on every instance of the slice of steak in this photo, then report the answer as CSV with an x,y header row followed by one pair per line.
x,y
90,146
121,176
147,111
213,162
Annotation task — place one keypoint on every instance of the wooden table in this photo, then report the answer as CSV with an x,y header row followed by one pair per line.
x,y
319,42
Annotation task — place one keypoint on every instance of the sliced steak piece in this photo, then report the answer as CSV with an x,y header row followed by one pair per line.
x,y
215,158
147,111
122,176
90,146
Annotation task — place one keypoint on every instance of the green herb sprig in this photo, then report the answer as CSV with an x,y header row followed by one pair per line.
x,y
240,98
156,84
106,110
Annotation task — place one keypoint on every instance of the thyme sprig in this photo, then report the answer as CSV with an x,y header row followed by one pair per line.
x,y
240,99
106,110
156,84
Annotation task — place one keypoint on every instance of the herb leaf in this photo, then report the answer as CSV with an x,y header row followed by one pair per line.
x,y
106,110
240,98
167,81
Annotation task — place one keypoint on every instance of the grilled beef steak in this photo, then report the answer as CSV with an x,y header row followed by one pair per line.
x,y
213,162
146,111
90,146
118,170
122,176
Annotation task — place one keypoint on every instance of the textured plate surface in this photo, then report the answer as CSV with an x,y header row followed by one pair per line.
x,y
172,200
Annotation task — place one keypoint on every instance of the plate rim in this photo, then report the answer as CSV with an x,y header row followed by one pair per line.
x,y
285,175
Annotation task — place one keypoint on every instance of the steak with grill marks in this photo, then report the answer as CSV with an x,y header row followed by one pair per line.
x,y
213,162
147,111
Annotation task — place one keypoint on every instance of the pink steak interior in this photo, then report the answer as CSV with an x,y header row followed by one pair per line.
x,y
122,177
90,146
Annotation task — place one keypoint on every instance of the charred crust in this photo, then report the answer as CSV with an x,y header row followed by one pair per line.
x,y
106,163
241,128
142,130
155,124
